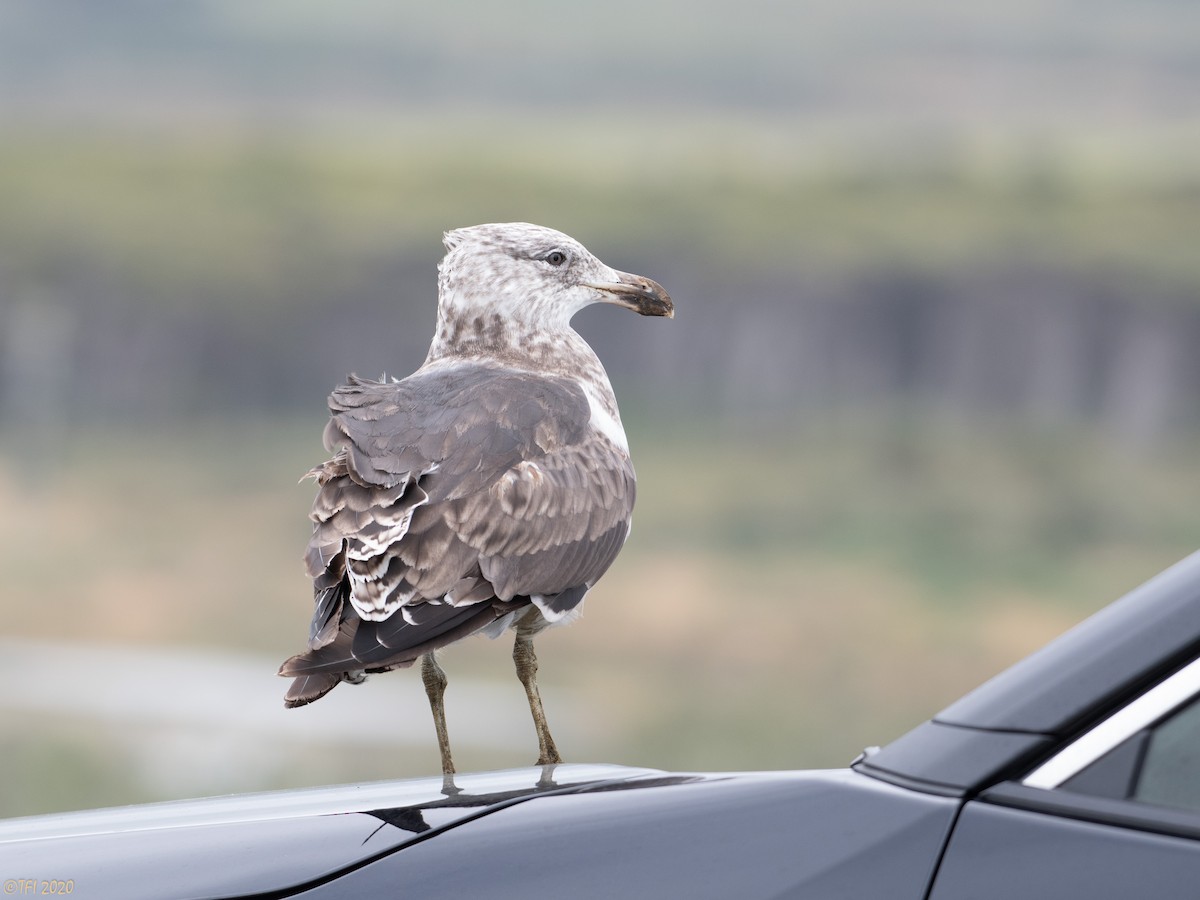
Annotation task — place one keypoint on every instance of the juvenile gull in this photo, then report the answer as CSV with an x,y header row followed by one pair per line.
x,y
488,490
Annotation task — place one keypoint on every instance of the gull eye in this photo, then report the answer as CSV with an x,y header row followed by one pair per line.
x,y
555,257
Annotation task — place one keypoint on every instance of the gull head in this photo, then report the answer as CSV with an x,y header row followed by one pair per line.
x,y
527,277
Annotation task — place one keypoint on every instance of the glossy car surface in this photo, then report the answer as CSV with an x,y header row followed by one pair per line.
x,y
1076,773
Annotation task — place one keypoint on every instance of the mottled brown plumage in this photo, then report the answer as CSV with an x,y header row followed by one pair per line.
x,y
490,489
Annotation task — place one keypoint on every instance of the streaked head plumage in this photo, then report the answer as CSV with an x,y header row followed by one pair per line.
x,y
533,277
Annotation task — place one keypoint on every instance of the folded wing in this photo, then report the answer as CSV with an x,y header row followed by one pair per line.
x,y
453,498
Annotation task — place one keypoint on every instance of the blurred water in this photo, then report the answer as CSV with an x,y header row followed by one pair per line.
x,y
202,721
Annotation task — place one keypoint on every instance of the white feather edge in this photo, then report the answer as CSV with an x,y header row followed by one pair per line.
x,y
602,420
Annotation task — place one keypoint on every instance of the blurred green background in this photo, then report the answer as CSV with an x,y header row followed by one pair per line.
x,y
931,397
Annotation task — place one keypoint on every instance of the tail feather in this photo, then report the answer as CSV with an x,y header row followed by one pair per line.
x,y
410,627
378,657
307,688
359,646
336,656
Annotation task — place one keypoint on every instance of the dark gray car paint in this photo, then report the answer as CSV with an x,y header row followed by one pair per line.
x,y
764,835
261,843
1001,854
629,834
950,759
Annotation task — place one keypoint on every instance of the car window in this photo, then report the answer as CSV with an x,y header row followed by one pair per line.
x,y
1169,774
1159,764
1138,768
1113,775
1110,758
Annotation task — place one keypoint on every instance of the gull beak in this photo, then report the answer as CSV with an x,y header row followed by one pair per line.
x,y
642,295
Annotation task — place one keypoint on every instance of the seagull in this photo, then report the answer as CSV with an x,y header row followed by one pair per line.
x,y
487,491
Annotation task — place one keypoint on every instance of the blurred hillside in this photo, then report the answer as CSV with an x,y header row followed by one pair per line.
x,y
225,207
247,274
931,395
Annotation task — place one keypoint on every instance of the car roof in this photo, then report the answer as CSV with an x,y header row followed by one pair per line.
x,y
1055,693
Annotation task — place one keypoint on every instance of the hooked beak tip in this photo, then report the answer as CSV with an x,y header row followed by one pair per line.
x,y
643,295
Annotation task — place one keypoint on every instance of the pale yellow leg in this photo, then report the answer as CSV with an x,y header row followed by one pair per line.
x,y
526,663
435,689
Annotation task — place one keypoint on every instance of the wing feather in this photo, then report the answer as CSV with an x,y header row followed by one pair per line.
x,y
454,495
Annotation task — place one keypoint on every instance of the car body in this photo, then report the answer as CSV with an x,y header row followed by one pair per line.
x,y
1075,773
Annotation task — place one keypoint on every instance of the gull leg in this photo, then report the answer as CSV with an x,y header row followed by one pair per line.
x,y
526,663
435,688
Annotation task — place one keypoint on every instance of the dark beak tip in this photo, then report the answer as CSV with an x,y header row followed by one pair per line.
x,y
662,307
642,295
655,301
